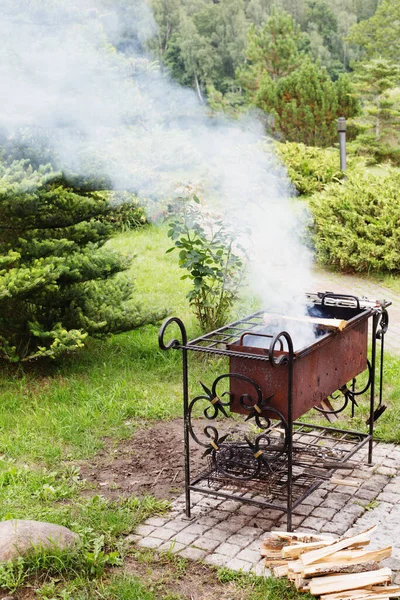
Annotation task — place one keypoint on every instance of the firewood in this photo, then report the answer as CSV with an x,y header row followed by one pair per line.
x,y
348,557
269,553
349,482
379,592
339,583
296,550
335,324
295,566
362,594
274,563
319,569
281,571
302,585
305,538
311,557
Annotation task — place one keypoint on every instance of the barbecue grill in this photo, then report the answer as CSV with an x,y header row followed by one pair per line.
x,y
255,450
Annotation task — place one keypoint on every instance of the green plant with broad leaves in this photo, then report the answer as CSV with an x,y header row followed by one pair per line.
x,y
209,253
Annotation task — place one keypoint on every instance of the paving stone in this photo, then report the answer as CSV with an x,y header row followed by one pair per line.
x,y
241,540
314,523
178,525
251,556
216,534
230,505
388,497
206,544
228,549
144,530
185,538
172,547
304,509
150,542
209,521
353,509
316,497
196,529
335,527
239,565
216,560
324,513
193,553
157,521
232,526
163,533
250,510
249,532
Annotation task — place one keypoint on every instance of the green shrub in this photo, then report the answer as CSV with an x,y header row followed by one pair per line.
x,y
125,212
357,223
309,168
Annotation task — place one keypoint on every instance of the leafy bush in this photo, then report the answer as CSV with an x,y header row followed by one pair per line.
x,y
310,168
125,212
206,252
357,223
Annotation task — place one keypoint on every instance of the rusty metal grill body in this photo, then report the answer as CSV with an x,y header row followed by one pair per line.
x,y
254,449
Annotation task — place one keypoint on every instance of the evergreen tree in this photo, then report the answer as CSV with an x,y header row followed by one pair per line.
x,y
377,82
58,281
379,36
305,105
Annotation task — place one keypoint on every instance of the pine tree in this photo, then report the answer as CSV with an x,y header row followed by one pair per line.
x,y
377,82
58,281
305,105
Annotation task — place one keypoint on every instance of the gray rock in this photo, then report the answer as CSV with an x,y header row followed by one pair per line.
x,y
20,538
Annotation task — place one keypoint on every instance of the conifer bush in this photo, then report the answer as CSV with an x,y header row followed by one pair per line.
x,y
59,284
357,223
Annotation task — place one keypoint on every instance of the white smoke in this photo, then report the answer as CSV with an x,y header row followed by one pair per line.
x,y
119,113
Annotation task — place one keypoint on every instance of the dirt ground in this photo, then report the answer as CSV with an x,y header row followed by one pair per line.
x,y
151,462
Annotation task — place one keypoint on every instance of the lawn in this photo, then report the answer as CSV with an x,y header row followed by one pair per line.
x,y
57,416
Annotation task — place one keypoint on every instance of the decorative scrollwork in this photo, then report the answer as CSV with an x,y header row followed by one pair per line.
x,y
349,394
383,324
284,358
236,454
174,343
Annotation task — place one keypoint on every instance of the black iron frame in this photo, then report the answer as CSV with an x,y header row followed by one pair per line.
x,y
284,460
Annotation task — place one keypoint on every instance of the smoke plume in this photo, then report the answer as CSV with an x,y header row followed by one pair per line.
x,y
117,113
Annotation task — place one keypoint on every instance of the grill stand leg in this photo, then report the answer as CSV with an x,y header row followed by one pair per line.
x,y
375,321
186,430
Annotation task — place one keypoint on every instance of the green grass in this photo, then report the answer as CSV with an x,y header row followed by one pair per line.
x,y
54,414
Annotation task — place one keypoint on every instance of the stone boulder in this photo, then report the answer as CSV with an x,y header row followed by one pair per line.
x,y
20,538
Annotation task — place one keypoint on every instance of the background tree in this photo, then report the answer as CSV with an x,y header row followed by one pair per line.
x,y
379,35
58,281
378,84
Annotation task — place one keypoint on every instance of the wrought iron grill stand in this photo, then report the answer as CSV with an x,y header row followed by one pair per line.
x,y
281,461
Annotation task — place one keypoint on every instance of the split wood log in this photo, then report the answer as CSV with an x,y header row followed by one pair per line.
x,y
349,482
281,571
339,583
315,555
305,538
378,591
302,585
296,550
334,324
270,553
346,557
317,570
275,563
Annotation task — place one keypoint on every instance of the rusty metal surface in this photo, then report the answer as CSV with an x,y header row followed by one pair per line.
x,y
318,371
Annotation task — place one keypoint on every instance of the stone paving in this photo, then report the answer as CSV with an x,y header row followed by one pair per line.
x,y
226,533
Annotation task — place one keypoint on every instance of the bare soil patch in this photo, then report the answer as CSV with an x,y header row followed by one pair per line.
x,y
151,462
